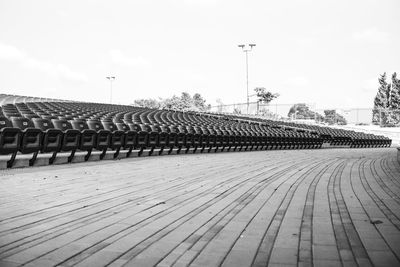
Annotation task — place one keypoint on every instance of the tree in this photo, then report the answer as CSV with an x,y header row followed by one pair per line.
x,y
394,104
332,117
173,103
387,102
183,103
302,111
381,100
264,95
147,103
200,103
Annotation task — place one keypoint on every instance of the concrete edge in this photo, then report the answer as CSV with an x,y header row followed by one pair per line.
x,y
22,161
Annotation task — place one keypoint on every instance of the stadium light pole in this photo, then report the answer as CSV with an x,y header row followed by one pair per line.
x,y
247,49
111,79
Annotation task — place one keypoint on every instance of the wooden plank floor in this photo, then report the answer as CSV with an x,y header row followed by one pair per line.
x,y
330,207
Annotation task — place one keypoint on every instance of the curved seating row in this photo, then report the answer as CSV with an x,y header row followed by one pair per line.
x,y
53,127
38,135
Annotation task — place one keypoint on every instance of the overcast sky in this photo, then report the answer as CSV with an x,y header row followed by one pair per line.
x,y
325,52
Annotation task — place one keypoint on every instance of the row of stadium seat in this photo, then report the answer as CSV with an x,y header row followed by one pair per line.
x,y
35,135
334,136
52,127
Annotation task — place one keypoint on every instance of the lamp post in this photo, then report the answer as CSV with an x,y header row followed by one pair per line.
x,y
247,49
111,79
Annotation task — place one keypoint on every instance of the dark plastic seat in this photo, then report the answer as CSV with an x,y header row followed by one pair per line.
x,y
130,137
71,137
87,141
176,139
31,137
208,139
52,138
163,137
9,140
142,136
103,136
153,137
117,140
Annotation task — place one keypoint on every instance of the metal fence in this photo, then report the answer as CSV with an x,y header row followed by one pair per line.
x,y
274,111
356,116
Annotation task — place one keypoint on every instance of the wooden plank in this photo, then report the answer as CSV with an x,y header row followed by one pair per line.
x,y
277,208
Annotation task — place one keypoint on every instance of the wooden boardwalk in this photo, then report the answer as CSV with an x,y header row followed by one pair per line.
x,y
331,207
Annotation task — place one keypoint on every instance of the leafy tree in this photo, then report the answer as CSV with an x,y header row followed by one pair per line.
x,y
394,104
381,101
302,111
387,102
183,103
264,95
147,103
332,117
200,103
174,103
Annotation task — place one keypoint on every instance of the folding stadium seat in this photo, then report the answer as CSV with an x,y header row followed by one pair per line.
x,y
245,140
31,137
9,140
117,136
189,138
260,140
176,139
239,139
253,139
229,138
130,137
51,138
217,139
71,137
88,137
153,136
206,139
263,138
196,140
225,137
163,136
142,137
273,141
103,138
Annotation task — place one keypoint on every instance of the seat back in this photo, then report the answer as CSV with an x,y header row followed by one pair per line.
x,y
109,125
134,127
71,136
52,139
42,124
22,123
31,137
79,125
122,126
63,125
95,125
9,137
4,122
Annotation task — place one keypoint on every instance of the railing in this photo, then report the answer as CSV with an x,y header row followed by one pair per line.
x,y
355,116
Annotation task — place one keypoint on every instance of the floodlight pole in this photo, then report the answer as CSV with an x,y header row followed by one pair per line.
x,y
247,50
111,79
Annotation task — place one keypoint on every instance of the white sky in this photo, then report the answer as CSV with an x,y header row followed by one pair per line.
x,y
325,52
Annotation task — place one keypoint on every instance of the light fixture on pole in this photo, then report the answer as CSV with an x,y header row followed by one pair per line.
x,y
247,49
111,79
